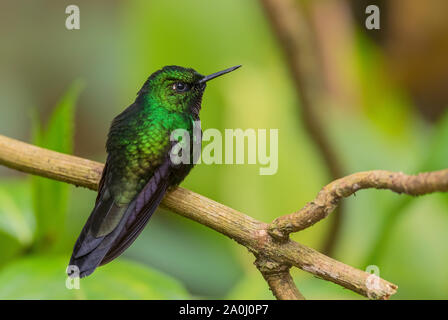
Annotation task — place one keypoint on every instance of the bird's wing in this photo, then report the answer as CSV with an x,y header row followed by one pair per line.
x,y
144,206
94,248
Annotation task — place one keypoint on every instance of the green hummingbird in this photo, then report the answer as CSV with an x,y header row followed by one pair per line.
x,y
139,169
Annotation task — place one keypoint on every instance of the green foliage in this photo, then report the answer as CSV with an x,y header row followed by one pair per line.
x,y
16,217
43,277
435,158
383,102
50,197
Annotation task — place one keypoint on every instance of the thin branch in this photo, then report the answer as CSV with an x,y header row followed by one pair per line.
x,y
245,230
294,33
329,197
279,279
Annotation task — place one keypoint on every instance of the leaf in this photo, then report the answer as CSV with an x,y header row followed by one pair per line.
x,y
16,218
43,277
50,198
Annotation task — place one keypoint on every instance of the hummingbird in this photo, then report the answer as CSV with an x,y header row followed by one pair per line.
x,y
139,170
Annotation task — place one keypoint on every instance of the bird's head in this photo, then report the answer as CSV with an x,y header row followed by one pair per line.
x,y
177,89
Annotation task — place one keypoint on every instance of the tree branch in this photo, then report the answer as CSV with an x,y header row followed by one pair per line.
x,y
279,279
245,230
329,197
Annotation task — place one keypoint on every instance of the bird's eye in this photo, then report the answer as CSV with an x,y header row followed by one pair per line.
x,y
181,87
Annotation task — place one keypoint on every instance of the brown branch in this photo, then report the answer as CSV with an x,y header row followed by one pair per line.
x,y
247,231
295,37
279,279
49,164
329,197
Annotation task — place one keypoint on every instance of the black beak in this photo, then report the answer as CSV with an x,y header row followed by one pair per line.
x,y
217,74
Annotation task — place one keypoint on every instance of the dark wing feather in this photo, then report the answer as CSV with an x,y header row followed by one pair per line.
x,y
146,203
86,243
102,181
91,251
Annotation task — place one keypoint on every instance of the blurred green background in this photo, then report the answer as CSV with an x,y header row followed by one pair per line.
x,y
383,108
